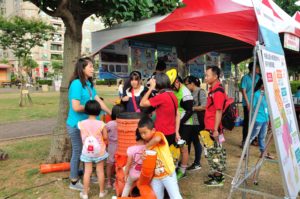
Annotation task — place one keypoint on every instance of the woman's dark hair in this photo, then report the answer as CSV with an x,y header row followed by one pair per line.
x,y
78,72
138,136
116,110
215,69
92,107
258,84
162,81
146,122
193,79
161,66
135,75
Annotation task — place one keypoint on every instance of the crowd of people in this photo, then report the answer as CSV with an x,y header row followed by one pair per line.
x,y
174,111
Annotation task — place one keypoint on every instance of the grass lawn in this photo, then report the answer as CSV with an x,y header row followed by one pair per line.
x,y
45,105
20,171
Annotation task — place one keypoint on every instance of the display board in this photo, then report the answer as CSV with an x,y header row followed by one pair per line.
x,y
142,57
167,54
197,66
279,96
291,42
114,61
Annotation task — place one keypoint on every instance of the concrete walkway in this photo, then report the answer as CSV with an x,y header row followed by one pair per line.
x,y
26,129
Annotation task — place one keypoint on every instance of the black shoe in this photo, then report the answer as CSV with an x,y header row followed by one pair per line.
x,y
194,167
211,176
214,183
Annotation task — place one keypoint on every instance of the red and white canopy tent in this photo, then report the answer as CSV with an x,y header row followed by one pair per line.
x,y
199,27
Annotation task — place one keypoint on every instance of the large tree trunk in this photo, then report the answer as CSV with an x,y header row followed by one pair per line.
x,y
61,145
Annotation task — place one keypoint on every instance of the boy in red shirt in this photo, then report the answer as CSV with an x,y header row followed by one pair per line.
x,y
213,115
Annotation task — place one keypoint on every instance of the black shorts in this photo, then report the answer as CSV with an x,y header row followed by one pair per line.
x,y
185,132
171,138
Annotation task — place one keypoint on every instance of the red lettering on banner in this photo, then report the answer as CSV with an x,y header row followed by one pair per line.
x,y
269,77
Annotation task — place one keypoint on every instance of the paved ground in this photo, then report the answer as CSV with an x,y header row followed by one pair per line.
x,y
26,129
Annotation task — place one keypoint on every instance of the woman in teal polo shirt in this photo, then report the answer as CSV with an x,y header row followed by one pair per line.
x,y
81,89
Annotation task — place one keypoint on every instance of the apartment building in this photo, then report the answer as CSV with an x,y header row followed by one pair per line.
x,y
53,49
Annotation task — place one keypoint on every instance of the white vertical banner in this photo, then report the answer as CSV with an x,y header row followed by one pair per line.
x,y
278,93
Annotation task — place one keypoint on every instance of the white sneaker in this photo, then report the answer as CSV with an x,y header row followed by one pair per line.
x,y
83,196
102,194
78,186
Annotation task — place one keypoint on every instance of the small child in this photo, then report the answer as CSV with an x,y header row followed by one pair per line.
x,y
164,174
93,133
112,142
134,164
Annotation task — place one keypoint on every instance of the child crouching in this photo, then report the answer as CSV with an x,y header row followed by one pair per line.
x,y
164,175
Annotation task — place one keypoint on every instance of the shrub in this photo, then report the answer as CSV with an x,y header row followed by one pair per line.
x,y
294,85
106,82
45,82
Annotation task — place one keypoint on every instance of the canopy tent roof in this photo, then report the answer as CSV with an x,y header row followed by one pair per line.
x,y
199,27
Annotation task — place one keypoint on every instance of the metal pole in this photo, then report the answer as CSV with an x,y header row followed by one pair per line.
x,y
250,111
245,149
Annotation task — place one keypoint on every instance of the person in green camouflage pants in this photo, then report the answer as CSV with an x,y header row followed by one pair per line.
x,y
213,115
216,157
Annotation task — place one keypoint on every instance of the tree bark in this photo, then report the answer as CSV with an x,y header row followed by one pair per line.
x,y
61,145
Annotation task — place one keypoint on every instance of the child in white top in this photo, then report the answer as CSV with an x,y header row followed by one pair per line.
x,y
93,133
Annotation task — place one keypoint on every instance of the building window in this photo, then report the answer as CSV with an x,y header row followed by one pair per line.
x,y
2,11
56,47
57,26
57,38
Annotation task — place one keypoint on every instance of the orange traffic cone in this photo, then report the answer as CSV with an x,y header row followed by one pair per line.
x,y
47,168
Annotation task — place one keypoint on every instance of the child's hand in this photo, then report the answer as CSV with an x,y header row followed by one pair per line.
x,y
144,154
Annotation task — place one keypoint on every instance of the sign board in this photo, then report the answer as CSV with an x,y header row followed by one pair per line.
x,y
279,96
291,42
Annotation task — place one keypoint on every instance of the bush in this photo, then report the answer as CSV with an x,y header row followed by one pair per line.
x,y
45,82
106,82
294,86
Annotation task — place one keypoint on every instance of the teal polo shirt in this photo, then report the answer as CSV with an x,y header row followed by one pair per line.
x,y
82,94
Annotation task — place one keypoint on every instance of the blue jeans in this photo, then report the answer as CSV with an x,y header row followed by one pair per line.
x,y
76,141
260,129
171,185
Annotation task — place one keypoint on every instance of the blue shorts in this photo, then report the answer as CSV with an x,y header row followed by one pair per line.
x,y
85,158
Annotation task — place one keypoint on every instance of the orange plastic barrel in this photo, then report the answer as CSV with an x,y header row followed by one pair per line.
x,y
126,125
47,168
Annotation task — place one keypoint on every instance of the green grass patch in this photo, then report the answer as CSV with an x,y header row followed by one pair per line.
x,y
28,149
45,105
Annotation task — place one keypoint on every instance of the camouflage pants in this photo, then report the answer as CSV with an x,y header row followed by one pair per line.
x,y
216,157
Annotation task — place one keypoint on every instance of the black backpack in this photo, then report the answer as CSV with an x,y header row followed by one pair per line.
x,y
230,111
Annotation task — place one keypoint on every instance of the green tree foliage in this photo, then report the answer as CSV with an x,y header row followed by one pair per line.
x,y
117,11
21,35
30,63
288,6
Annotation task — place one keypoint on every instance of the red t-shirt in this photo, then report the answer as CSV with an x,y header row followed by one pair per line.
x,y
165,114
218,102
